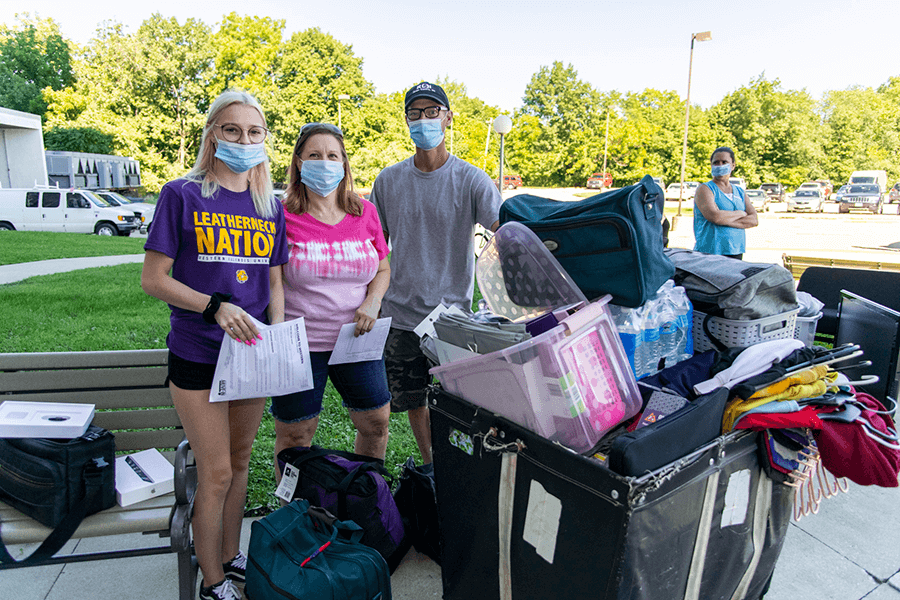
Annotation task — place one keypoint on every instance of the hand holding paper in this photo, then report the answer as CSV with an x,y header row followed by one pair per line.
x,y
350,348
276,365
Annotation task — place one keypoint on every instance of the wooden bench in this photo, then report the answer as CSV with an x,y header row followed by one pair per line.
x,y
131,400
798,264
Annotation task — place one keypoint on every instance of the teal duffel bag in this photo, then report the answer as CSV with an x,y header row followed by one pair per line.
x,y
304,552
611,243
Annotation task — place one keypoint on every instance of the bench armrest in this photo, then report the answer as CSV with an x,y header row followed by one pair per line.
x,y
185,474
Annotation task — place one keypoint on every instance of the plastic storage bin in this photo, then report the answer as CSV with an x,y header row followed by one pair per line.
x,y
805,329
520,279
570,385
740,334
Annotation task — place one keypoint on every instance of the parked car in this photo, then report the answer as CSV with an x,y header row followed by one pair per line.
x,y
775,191
811,199
840,193
510,182
55,209
690,189
599,180
827,186
894,196
142,210
738,181
759,199
862,196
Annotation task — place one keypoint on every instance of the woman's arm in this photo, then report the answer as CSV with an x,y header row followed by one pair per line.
x,y
705,202
156,281
275,309
368,311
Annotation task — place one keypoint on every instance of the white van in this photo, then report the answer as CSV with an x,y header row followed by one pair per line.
x,y
879,177
70,210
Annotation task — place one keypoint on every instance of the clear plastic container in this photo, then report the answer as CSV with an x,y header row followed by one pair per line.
x,y
570,385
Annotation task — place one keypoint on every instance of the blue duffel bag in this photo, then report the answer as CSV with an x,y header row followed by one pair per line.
x,y
611,243
304,552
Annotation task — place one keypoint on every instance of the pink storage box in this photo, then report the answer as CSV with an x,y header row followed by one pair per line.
x,y
570,385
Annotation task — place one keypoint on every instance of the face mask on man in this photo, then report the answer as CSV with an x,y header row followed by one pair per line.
x,y
426,133
721,170
321,176
240,158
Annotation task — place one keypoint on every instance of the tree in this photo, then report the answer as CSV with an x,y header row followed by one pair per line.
x,y
79,139
32,58
568,109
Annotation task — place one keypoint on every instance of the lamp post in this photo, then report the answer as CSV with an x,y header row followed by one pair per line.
x,y
704,36
502,125
341,97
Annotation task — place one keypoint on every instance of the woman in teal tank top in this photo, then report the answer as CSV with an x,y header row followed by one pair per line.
x,y
721,211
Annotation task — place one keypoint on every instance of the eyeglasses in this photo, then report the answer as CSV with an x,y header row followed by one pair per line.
x,y
431,112
234,133
311,128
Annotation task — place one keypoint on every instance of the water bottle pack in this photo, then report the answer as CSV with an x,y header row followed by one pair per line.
x,y
656,334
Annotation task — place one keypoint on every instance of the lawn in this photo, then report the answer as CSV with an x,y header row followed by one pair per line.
x,y
105,309
26,246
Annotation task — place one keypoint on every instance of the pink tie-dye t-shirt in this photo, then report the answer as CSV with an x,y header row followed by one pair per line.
x,y
329,270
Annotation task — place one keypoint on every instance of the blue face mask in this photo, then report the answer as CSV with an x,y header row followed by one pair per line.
x,y
721,170
240,158
321,176
426,133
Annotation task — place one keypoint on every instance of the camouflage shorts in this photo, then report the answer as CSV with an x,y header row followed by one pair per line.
x,y
407,370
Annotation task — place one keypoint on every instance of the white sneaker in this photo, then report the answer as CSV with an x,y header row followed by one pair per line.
x,y
226,590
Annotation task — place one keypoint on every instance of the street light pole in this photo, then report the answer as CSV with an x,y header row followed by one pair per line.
x,y
502,125
340,98
704,36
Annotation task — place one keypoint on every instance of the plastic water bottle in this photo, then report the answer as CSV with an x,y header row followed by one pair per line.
x,y
685,312
629,328
650,334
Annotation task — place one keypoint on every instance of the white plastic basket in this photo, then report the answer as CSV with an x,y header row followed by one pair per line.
x,y
805,329
740,334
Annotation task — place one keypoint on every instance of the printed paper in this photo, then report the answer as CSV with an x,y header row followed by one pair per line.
x,y
737,499
368,346
277,364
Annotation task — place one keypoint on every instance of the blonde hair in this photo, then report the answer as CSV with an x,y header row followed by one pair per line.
x,y
203,171
296,200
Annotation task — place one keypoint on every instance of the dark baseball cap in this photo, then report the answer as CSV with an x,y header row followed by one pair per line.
x,y
426,90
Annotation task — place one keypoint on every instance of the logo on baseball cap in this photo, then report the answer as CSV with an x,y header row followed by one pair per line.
x,y
426,90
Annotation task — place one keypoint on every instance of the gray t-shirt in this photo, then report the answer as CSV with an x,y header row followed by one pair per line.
x,y
430,219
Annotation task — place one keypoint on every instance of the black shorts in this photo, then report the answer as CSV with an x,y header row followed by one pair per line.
x,y
190,375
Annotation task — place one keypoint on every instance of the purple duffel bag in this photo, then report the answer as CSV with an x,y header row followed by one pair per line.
x,y
354,488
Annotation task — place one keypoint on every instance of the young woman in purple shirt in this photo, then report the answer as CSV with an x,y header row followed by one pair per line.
x,y
214,256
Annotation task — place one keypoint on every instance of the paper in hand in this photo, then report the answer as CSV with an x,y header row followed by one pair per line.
x,y
368,346
277,364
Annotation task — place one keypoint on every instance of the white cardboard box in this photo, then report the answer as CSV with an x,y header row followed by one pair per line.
x,y
131,488
55,420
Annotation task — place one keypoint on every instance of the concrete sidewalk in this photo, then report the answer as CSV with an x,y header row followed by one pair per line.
x,y
18,272
848,551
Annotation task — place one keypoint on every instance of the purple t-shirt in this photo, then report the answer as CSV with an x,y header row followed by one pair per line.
x,y
219,244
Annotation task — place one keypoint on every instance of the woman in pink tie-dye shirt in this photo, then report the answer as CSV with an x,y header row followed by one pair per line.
x,y
337,273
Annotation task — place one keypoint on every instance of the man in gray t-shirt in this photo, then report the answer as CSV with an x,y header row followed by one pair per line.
x,y
428,205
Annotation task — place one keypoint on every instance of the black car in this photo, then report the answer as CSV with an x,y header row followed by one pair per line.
x,y
862,196
775,191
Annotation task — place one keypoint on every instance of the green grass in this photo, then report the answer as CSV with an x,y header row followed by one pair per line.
x,y
105,309
26,246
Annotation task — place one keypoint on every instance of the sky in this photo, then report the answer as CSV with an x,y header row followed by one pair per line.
x,y
494,47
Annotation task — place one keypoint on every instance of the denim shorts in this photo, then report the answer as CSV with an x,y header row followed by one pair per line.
x,y
362,386
407,370
190,375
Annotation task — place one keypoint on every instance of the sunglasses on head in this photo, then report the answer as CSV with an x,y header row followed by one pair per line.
x,y
311,128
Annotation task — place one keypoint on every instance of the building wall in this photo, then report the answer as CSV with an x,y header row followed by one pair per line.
x,y
22,163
